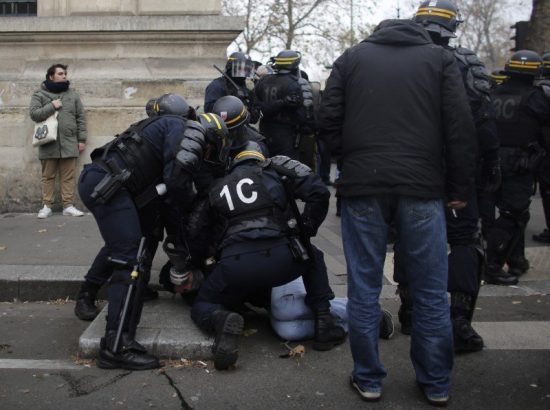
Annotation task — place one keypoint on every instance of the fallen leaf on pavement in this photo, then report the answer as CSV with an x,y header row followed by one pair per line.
x,y
42,230
249,332
297,351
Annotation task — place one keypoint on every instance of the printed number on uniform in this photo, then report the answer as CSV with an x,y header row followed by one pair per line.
x,y
240,194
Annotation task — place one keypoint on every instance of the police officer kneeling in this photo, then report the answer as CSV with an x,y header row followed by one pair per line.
x,y
125,175
255,248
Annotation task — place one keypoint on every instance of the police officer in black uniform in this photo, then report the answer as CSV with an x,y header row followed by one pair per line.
x,y
124,177
522,110
101,269
543,174
286,103
441,20
238,69
256,249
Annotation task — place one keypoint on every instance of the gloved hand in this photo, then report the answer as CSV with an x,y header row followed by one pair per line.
x,y
491,176
292,100
309,229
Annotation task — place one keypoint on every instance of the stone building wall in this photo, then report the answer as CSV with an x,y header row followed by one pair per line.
x,y
120,54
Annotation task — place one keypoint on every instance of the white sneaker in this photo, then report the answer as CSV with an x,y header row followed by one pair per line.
x,y
72,211
44,212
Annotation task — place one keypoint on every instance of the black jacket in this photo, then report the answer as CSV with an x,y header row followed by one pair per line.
x,y
396,109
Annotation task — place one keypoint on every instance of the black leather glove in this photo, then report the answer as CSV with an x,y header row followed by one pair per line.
x,y
309,228
292,100
491,176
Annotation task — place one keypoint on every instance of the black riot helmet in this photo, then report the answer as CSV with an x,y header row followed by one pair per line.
x,y
150,107
217,135
239,65
524,62
498,77
546,65
171,104
232,110
287,61
440,17
249,152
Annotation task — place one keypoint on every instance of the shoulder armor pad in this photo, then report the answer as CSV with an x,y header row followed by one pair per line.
x,y
467,56
192,146
290,167
478,80
545,85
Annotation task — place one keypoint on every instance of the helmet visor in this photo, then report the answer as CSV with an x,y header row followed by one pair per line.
x,y
242,69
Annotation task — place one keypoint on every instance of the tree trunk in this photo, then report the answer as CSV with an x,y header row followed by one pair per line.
x,y
538,32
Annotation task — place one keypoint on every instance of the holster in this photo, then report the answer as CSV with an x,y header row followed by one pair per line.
x,y
111,183
299,251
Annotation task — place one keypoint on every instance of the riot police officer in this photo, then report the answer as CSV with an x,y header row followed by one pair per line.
x,y
286,103
101,269
522,110
256,248
153,156
441,20
236,81
543,174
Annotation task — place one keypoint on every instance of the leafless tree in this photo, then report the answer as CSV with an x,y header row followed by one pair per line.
x,y
258,16
320,28
486,29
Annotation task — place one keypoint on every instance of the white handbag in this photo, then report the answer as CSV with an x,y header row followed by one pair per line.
x,y
45,131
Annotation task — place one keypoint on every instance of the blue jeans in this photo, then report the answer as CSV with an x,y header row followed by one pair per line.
x,y
420,226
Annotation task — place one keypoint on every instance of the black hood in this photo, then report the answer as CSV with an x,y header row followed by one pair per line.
x,y
399,32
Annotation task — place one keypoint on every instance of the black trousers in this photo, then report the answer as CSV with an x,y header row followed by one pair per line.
x,y
242,276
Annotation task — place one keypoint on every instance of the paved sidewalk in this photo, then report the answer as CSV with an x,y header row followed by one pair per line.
x,y
46,259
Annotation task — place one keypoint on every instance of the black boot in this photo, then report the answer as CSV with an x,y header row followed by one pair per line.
x,y
543,237
466,339
130,355
518,266
405,310
327,333
386,325
496,276
149,294
229,328
85,308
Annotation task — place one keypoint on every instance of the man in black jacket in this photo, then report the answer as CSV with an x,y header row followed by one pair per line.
x,y
396,109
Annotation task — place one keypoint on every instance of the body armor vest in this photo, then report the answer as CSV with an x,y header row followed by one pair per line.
x,y
516,128
243,202
273,88
137,155
477,82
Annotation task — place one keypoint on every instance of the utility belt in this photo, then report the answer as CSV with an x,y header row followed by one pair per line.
x,y
112,182
521,160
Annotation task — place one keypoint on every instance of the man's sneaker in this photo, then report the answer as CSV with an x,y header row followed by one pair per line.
x,y
44,212
72,211
367,395
543,237
386,325
437,400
